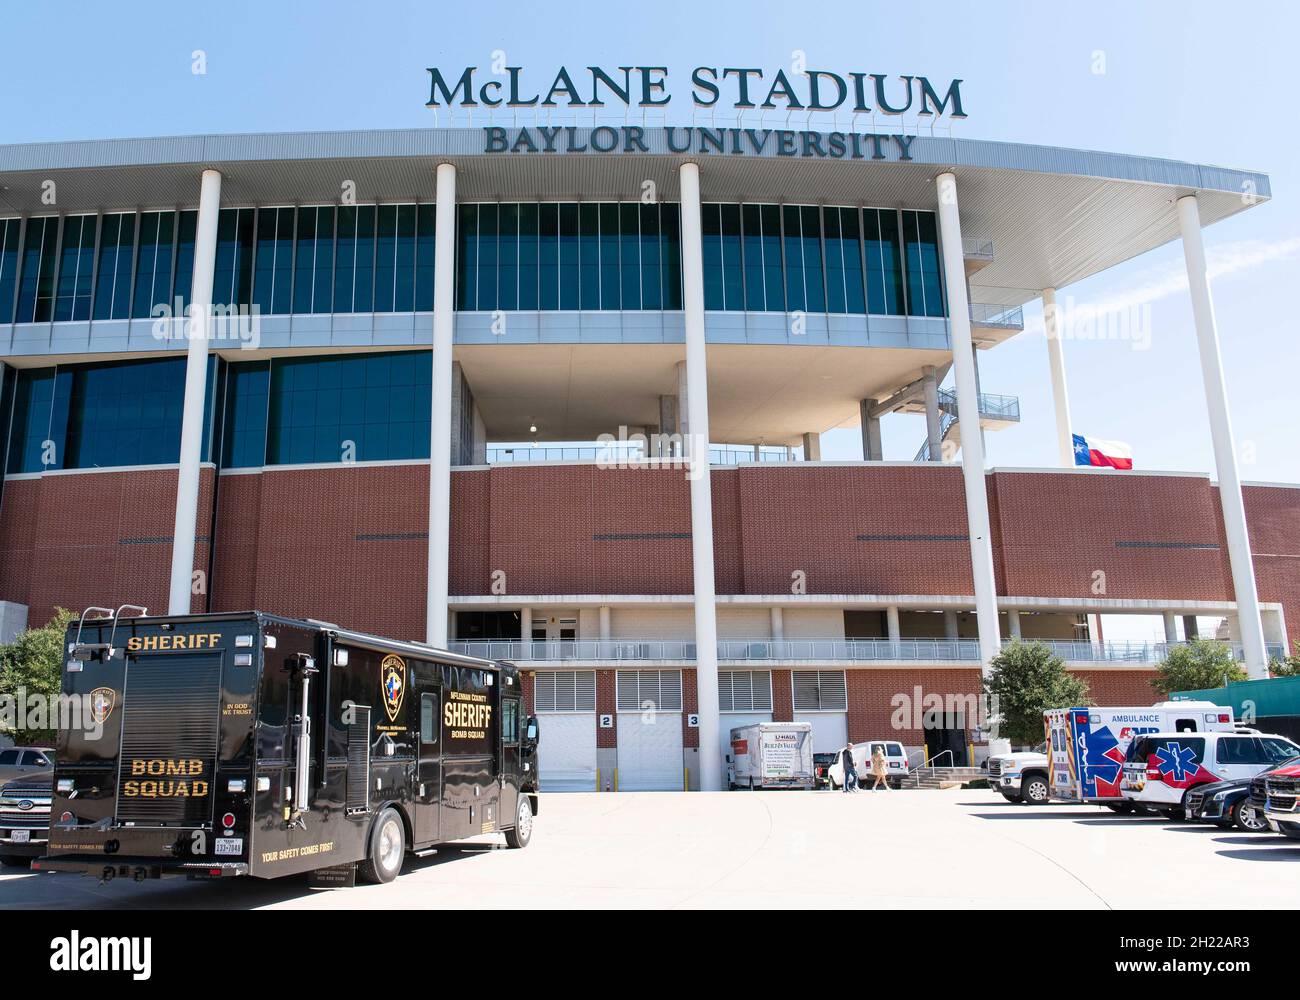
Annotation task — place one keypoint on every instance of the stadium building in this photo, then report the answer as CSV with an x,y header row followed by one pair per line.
x,y
379,319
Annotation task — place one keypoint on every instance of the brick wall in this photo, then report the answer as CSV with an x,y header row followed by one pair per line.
x,y
690,703
1120,687
349,543
606,704
102,538
872,706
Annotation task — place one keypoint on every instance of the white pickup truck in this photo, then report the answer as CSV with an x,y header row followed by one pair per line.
x,y
1021,776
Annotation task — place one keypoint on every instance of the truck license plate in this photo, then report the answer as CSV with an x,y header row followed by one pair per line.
x,y
229,845
21,836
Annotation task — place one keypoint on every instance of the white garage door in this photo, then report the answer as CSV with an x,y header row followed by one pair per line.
x,y
566,753
565,702
650,752
830,730
650,731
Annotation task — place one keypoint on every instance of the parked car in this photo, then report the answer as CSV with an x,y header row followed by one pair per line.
x,y
1282,799
895,760
1161,769
1225,803
822,769
1021,776
17,761
25,818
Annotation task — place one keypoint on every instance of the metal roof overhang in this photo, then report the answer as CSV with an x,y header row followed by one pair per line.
x,y
1055,216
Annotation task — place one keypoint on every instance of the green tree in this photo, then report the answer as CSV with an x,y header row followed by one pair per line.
x,y
33,663
1025,680
1201,663
1288,667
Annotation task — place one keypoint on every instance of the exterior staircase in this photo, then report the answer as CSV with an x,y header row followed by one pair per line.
x,y
943,777
995,413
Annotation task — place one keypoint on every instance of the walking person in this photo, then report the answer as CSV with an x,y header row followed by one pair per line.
x,y
879,768
850,772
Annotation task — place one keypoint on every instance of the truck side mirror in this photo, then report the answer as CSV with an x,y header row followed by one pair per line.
x,y
531,733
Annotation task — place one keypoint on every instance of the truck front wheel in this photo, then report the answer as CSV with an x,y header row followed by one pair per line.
x,y
387,849
523,831
1034,790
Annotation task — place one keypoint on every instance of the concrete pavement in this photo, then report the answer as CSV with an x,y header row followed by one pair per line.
x,y
894,850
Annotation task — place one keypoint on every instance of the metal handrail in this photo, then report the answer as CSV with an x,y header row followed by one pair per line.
x,y
997,314
930,762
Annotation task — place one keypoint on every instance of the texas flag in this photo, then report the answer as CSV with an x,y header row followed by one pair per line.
x,y
1094,451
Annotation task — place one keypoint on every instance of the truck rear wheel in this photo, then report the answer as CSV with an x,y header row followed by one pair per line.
x,y
523,831
387,849
15,861
1034,791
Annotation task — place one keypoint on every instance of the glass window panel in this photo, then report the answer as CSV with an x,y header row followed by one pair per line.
x,y
467,257
851,246
794,267
711,251
232,281
385,257
814,281
76,269
589,255
489,257
372,407
548,256
345,260
651,261
244,437
121,413
773,279
153,271
609,256
670,218
528,255
404,254
363,295
113,277
752,247
273,277
425,247
10,229
629,223
508,257
186,229
733,274
36,284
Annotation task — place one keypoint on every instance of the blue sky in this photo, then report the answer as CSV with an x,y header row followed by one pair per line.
x,y
1194,81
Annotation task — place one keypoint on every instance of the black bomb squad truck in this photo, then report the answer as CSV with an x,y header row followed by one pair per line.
x,y
251,744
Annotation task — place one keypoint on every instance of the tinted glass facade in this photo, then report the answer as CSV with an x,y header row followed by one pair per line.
x,y
361,407
568,256
805,258
512,256
101,415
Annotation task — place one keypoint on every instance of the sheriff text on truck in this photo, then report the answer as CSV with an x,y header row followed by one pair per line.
x,y
250,744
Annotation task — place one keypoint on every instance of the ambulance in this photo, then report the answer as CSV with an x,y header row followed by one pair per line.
x,y
1087,745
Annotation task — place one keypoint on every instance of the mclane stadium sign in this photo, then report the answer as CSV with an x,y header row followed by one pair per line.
x,y
745,90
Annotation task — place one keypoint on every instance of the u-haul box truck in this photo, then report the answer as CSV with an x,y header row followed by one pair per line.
x,y
1086,745
772,755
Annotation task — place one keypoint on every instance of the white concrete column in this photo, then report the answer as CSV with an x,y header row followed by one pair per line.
x,y
758,454
812,447
697,408
683,404
1225,458
444,306
893,628
1013,623
1171,627
525,633
950,625
778,623
872,450
933,425
606,631
1056,364
198,331
972,447
1190,629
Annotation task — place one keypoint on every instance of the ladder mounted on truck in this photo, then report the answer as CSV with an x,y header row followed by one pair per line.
x,y
84,651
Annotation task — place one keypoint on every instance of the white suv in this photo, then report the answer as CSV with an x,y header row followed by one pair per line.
x,y
1160,767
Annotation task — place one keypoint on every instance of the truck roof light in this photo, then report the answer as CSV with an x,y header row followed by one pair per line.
x,y
243,659
340,657
244,642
